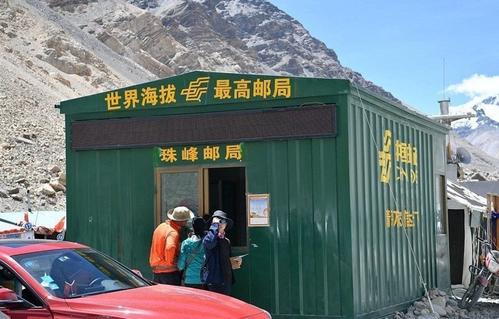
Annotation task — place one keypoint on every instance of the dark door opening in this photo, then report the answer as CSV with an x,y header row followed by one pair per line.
x,y
205,190
227,191
456,245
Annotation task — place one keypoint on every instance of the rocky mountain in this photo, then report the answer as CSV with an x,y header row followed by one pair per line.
x,y
482,131
176,36
46,58
482,166
53,50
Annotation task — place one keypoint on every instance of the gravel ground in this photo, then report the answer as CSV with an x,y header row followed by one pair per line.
x,y
444,305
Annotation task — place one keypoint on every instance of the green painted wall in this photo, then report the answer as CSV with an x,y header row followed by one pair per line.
x,y
294,264
390,261
111,203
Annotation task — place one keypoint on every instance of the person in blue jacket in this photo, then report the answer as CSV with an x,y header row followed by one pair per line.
x,y
191,257
217,271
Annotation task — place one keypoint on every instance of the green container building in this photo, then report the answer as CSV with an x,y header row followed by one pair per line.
x,y
336,194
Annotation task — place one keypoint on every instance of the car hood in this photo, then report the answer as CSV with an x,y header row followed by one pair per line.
x,y
163,301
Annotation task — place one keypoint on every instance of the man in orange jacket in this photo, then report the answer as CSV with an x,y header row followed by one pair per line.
x,y
165,246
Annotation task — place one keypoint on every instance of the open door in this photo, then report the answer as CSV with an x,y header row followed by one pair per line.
x,y
456,245
227,192
205,190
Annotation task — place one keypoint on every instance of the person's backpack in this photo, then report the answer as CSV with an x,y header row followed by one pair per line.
x,y
191,257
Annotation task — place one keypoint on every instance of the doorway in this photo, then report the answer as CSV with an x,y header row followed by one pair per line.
x,y
456,245
205,190
227,192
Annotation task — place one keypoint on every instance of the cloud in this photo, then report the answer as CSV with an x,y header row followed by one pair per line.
x,y
477,85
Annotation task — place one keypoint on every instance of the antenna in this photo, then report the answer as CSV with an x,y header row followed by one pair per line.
x,y
443,78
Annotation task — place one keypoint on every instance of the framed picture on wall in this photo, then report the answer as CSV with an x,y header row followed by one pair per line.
x,y
258,210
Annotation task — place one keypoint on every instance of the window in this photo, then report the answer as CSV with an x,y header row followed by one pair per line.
x,y
68,273
179,188
205,190
9,280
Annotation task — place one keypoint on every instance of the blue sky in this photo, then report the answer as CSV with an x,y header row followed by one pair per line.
x,y
401,45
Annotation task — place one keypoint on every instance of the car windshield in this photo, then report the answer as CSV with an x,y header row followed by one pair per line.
x,y
71,273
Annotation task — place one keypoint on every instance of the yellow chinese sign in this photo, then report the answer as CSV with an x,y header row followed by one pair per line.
x,y
198,90
400,158
405,219
406,160
198,154
385,158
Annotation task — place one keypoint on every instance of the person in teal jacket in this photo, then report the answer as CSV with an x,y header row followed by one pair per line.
x,y
191,257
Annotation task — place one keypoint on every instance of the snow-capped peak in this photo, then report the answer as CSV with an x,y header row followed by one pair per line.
x,y
486,111
235,7
482,130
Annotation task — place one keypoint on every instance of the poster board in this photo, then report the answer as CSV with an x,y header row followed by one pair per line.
x,y
258,210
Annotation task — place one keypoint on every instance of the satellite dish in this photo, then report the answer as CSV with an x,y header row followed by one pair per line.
x,y
463,156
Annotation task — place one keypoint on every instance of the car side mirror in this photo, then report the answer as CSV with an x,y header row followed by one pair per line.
x,y
9,299
137,272
7,295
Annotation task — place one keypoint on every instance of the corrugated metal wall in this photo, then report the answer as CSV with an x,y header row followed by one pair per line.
x,y
294,264
111,203
384,269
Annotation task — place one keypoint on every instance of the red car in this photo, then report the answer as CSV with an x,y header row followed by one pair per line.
x,y
57,279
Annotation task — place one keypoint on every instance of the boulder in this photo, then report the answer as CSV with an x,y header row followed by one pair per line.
x,y
21,180
433,293
463,315
54,169
450,311
28,136
7,146
440,301
419,305
17,197
398,315
62,178
440,310
47,190
14,190
452,303
57,186
4,193
24,140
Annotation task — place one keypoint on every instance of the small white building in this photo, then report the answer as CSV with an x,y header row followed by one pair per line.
x,y
467,213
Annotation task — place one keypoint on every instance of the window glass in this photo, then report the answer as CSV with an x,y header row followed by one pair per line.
x,y
74,273
179,189
9,280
